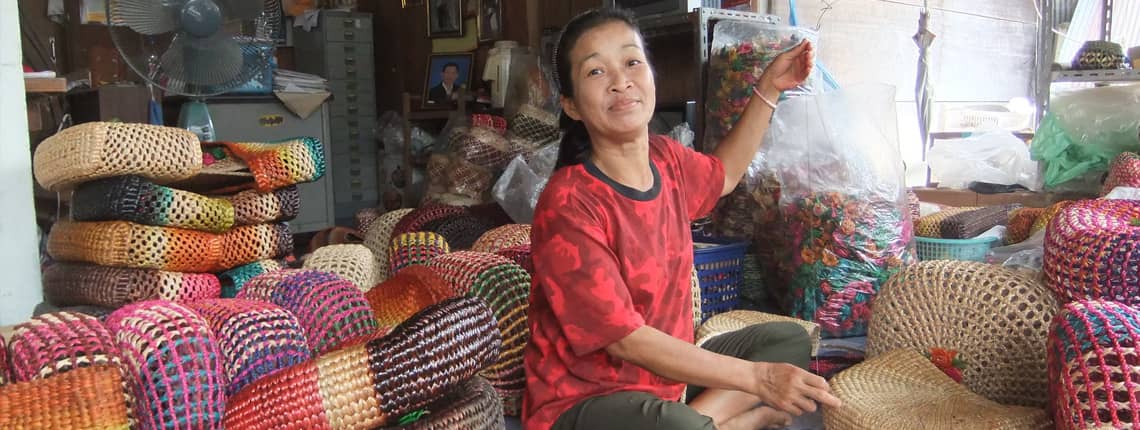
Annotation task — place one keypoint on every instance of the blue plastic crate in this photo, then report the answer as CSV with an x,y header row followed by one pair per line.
x,y
720,270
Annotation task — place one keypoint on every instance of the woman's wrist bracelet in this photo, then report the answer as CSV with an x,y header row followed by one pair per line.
x,y
756,92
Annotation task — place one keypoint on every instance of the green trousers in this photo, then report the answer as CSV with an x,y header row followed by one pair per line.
x,y
781,342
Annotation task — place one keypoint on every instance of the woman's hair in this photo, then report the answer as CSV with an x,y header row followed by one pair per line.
x,y
575,145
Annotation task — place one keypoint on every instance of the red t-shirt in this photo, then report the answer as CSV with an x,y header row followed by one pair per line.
x,y
609,259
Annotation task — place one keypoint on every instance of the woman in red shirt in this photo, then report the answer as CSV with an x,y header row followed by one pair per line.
x,y
611,309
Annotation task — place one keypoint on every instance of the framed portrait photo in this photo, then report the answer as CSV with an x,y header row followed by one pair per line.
x,y
445,18
448,74
490,20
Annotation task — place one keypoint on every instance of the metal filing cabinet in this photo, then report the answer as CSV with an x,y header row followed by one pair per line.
x,y
340,50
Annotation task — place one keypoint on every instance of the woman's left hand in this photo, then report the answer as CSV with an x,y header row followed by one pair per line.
x,y
789,69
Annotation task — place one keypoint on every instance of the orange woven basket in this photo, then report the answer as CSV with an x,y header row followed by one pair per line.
x,y
85,398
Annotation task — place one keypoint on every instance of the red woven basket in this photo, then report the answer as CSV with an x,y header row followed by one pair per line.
x,y
59,342
85,398
520,255
1089,251
410,291
415,248
1094,366
418,218
462,269
1123,172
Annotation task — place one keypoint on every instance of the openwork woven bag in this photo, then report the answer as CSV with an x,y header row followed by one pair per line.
x,y
460,231
473,405
86,398
255,338
67,284
1020,225
505,288
1094,366
967,225
499,238
234,279
410,291
521,256
482,147
931,225
349,261
378,239
174,364
494,122
416,248
254,207
997,320
138,200
98,150
1123,172
56,343
903,390
365,217
463,269
418,218
736,320
330,309
1089,251
534,124
282,163
377,383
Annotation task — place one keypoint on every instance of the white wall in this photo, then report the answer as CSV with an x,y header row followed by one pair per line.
x,y
20,288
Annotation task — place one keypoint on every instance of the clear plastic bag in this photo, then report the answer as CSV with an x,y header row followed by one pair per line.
x,y
1084,130
521,183
996,158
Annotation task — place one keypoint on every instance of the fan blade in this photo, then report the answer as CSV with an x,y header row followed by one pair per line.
x,y
244,10
149,17
204,63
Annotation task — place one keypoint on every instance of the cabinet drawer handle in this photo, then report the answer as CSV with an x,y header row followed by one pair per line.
x,y
355,134
350,60
349,22
349,35
350,72
356,183
353,123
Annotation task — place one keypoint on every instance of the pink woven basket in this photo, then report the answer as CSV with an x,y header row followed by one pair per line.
x,y
1089,251
54,343
1123,172
1094,366
462,269
520,255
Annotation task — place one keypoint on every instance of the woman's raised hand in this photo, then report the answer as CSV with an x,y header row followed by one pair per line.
x,y
789,69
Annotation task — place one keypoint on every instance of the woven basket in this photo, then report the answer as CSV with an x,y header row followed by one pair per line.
x,y
931,225
463,269
416,220
1094,378
135,199
534,124
67,284
491,212
417,248
1047,216
56,343
902,390
86,398
174,363
473,405
330,309
252,207
996,319
1123,172
365,217
5,370
469,180
378,239
521,256
247,244
968,225
494,122
255,338
460,231
736,320
1089,251
1020,225
234,279
98,150
282,163
349,261
914,204
410,291
483,147
499,238
505,288
377,383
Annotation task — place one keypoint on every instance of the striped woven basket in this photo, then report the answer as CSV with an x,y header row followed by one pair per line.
x,y
967,225
506,290
330,309
234,279
174,363
418,218
459,231
499,238
255,338
86,398
462,269
1089,251
736,320
904,390
56,343
1123,172
1006,313
138,200
67,284
520,255
473,405
377,383
96,150
379,238
1020,225
1047,216
931,225
1094,378
281,163
416,248
349,261
410,291
252,207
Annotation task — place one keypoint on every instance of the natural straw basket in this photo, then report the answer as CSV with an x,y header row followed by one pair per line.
x,y
377,383
473,405
736,320
997,320
378,238
135,199
1123,172
60,342
349,261
1090,251
234,279
1094,378
1020,225
463,269
415,248
330,309
67,284
410,291
460,231
521,256
175,365
86,398
968,225
902,390
503,237
98,150
252,207
255,338
931,225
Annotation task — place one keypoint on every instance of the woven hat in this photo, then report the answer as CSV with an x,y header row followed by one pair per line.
x,y
902,390
483,147
254,207
170,354
416,219
98,150
1047,216
534,124
736,320
138,200
1020,225
507,236
85,398
330,309
255,338
401,296
349,261
282,163
377,383
521,256
463,269
1123,172
410,249
506,290
234,279
996,319
474,404
1094,378
67,284
967,225
365,217
931,225
51,344
1089,251
460,231
378,239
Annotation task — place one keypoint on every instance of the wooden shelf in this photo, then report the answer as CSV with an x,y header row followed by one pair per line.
x,y
45,85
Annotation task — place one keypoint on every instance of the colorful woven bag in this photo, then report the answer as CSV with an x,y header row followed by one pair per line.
x,y
98,150
460,231
174,363
365,217
246,244
252,207
473,405
521,256
1020,225
85,398
67,284
410,291
1094,366
255,338
138,200
349,261
499,238
418,218
410,249
463,269
379,238
1123,172
282,163
375,384
1047,216
234,279
56,343
1089,251
330,309
506,290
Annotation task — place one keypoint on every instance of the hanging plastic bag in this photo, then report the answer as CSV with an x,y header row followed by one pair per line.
x,y
1083,131
517,190
996,158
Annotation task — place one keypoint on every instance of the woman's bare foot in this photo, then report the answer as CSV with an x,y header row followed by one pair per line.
x,y
760,417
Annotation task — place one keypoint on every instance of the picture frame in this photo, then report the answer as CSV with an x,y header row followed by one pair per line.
x,y
436,94
445,18
490,23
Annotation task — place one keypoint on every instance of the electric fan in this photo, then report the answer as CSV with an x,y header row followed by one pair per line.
x,y
195,48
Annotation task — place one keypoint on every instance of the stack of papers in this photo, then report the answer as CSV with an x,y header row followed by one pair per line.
x,y
296,82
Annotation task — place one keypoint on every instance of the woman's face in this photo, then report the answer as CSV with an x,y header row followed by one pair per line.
x,y
614,92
